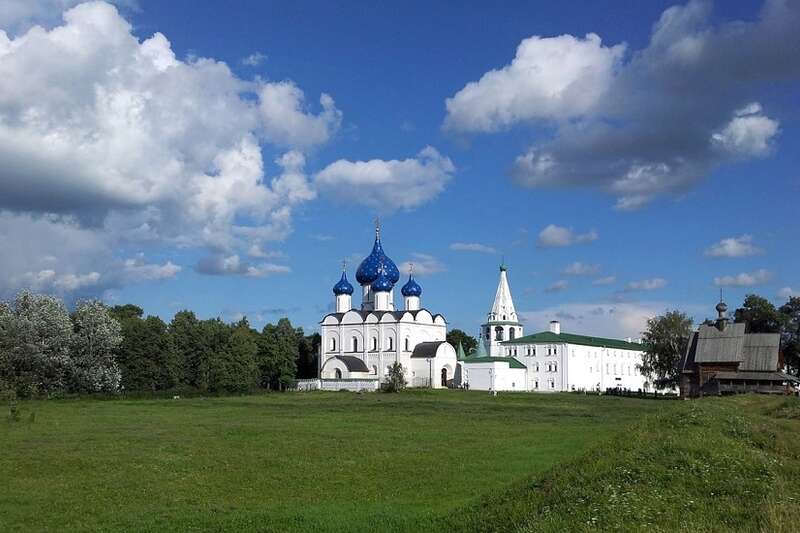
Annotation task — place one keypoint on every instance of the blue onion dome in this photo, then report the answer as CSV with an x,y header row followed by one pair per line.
x,y
411,288
368,269
382,283
343,287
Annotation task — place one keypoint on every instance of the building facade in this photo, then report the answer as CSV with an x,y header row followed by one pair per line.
x,y
722,358
360,345
548,361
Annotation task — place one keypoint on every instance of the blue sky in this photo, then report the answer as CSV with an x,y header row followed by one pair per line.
x,y
624,160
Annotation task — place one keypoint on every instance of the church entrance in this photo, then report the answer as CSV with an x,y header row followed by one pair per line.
x,y
444,377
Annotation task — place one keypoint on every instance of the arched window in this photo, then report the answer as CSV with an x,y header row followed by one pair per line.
x,y
555,367
444,377
333,344
408,345
355,344
512,334
338,374
391,343
498,333
504,317
374,344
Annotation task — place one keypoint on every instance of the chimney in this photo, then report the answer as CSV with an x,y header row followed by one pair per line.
x,y
555,327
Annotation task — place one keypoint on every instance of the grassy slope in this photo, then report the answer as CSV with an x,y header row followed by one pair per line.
x,y
720,464
293,461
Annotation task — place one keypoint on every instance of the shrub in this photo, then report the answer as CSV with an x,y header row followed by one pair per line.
x,y
396,379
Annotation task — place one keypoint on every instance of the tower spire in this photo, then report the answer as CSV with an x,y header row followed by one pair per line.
x,y
377,228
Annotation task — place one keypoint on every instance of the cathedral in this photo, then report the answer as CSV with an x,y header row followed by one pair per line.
x,y
359,345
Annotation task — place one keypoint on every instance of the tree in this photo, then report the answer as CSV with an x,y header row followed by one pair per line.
x,y
307,354
95,339
277,354
35,336
395,379
760,315
790,335
468,342
187,334
664,344
234,368
147,356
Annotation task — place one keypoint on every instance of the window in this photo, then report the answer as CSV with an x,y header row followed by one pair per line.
x,y
536,384
555,367
338,374
498,333
552,384
512,334
408,344
615,369
355,344
333,344
391,343
374,344
535,367
607,366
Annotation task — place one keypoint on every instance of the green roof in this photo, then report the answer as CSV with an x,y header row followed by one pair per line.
x,y
460,352
570,338
512,363
480,351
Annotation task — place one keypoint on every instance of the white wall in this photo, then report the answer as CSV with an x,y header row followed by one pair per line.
x,y
566,367
494,376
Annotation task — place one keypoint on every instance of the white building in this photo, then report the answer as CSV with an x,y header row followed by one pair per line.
x,y
548,360
358,346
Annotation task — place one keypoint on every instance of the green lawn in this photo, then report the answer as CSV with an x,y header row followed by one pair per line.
x,y
717,464
302,461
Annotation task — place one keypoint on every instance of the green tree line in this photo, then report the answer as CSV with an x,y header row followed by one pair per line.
x,y
47,351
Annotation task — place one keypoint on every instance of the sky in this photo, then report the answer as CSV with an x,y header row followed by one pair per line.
x,y
226,157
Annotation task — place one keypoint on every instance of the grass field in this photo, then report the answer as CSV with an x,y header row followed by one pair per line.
x,y
421,460
717,464
323,461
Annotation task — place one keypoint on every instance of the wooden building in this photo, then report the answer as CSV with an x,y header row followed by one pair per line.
x,y
722,358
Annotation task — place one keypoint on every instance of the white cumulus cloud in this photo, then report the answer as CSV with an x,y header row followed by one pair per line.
x,y
646,285
733,247
653,122
114,139
423,264
554,236
286,121
555,77
387,185
744,279
581,269
748,134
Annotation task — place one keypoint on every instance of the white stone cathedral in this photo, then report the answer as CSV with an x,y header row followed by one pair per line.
x,y
358,346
